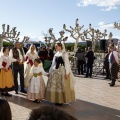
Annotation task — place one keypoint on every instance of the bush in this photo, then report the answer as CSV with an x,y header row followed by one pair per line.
x,y
7,44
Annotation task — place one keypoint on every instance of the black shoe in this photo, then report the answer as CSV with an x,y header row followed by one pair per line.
x,y
2,94
23,91
35,100
90,76
38,101
8,95
58,104
16,92
106,78
112,84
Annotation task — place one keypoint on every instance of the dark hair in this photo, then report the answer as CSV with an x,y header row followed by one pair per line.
x,y
44,48
79,50
16,43
4,49
89,48
5,111
37,60
111,46
49,113
60,45
112,41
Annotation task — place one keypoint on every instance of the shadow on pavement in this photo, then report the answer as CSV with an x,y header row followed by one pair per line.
x,y
82,110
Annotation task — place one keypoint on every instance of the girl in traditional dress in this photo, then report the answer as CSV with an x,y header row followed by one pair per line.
x,y
36,89
31,55
60,86
6,76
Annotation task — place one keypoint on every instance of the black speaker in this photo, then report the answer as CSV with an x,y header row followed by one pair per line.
x,y
88,44
103,45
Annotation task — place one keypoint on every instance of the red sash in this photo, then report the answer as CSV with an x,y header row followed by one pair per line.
x,y
4,64
30,62
26,58
41,57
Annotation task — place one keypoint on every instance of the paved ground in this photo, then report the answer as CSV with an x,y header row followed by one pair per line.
x,y
95,101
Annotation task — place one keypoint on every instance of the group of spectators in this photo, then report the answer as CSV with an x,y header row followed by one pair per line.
x,y
85,61
45,54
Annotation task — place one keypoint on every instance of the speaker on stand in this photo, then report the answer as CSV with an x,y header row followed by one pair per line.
x,y
88,44
103,47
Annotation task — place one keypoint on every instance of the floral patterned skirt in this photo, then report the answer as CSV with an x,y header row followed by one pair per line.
x,y
58,88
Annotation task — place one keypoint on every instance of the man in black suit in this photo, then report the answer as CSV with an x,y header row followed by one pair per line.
x,y
90,59
114,61
18,67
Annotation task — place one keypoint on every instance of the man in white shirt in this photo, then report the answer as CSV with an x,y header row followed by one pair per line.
x,y
113,59
18,67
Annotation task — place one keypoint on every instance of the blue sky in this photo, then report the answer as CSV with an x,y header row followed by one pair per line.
x,y
33,17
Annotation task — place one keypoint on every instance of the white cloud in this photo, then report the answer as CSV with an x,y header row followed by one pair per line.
x,y
110,28
106,5
105,26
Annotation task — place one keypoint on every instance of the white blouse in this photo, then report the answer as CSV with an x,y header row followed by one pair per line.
x,y
37,70
115,55
66,61
7,60
31,56
20,56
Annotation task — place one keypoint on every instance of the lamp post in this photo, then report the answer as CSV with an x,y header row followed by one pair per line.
x,y
75,33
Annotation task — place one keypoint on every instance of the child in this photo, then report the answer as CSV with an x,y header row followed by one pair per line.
x,y
36,89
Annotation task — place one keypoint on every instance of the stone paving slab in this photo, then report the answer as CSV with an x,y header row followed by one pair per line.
x,y
96,100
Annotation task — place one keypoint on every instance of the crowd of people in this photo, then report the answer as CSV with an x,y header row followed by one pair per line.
x,y
85,60
60,85
58,90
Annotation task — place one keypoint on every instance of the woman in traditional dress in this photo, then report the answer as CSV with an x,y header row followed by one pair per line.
x,y
36,89
60,86
6,76
31,55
